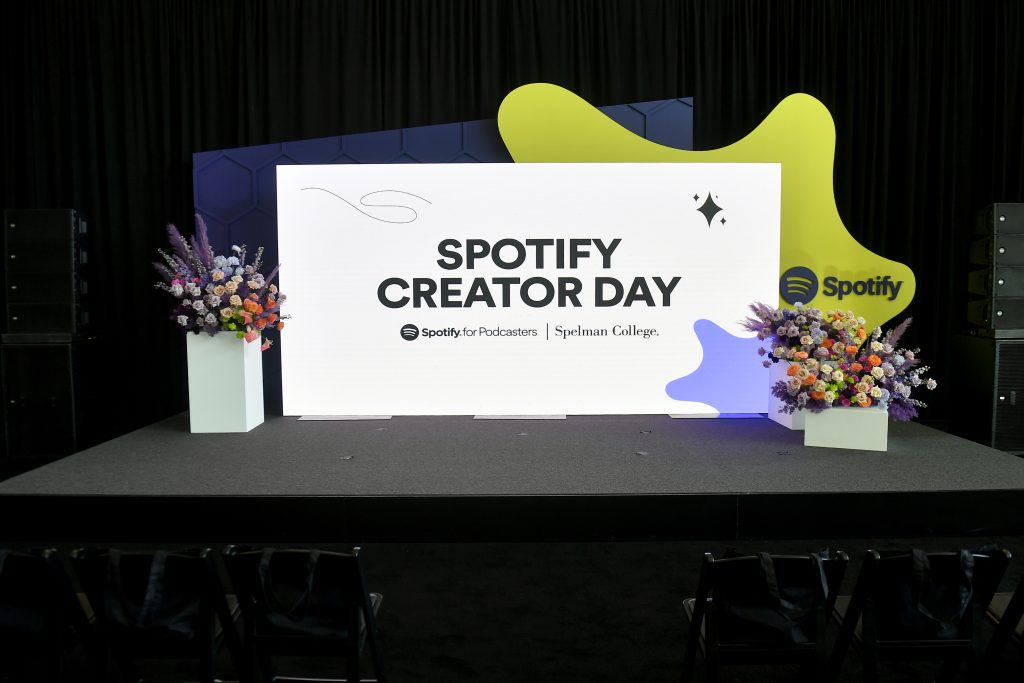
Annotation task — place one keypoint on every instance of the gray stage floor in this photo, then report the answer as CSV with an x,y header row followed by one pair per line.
x,y
456,478
460,456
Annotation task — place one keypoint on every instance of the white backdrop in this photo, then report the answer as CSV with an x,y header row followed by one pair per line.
x,y
346,229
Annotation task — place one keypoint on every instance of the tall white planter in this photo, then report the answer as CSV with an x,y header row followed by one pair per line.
x,y
225,383
864,429
794,420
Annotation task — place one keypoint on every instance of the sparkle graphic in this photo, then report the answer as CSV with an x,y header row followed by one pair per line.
x,y
709,209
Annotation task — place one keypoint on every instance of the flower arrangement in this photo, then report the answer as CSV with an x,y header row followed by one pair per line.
x,y
219,293
834,361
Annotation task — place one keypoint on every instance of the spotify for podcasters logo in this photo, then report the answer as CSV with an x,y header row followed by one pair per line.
x,y
410,332
798,284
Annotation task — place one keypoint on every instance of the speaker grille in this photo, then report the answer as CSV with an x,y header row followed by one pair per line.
x,y
996,288
40,402
46,260
1008,433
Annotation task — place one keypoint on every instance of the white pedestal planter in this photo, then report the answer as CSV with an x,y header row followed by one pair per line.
x,y
225,383
794,420
864,429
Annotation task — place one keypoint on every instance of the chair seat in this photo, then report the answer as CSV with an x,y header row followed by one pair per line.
x,y
760,646
322,626
839,612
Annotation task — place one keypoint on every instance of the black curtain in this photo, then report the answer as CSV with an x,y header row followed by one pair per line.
x,y
106,100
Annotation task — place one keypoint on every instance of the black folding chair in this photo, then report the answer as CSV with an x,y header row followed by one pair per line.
x,y
305,603
762,609
40,620
156,605
1006,611
917,606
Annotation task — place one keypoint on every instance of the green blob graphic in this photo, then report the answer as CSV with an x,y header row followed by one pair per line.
x,y
541,122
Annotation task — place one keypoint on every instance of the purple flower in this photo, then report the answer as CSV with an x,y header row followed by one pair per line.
x,y
199,281
786,332
902,412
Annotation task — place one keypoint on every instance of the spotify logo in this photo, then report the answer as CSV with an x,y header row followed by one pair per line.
x,y
410,332
798,284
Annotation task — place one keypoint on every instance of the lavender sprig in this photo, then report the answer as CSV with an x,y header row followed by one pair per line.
x,y
202,247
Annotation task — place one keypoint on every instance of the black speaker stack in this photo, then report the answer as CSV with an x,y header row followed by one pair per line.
x,y
46,346
989,382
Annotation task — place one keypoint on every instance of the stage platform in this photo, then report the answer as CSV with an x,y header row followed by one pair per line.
x,y
459,479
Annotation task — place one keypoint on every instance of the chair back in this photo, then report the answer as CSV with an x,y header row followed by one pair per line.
x,y
159,595
916,595
762,608
303,602
30,603
159,603
770,598
39,615
916,605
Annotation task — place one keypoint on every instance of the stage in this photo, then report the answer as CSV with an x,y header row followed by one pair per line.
x,y
460,479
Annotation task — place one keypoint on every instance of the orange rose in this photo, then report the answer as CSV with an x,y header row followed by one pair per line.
x,y
791,370
865,403
827,343
862,334
874,360
811,379
856,367
851,349
280,324
818,395
271,317
802,355
260,324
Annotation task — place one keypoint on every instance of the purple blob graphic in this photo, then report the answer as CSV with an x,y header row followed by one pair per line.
x,y
730,377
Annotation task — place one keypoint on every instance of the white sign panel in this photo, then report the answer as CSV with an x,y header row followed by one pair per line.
x,y
523,289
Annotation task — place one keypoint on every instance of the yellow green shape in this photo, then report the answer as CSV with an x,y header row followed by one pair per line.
x,y
541,122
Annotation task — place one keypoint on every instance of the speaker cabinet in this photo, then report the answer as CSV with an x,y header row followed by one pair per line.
x,y
44,392
46,264
997,286
989,389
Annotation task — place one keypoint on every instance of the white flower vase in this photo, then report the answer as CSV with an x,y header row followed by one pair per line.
x,y
225,383
794,420
854,427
